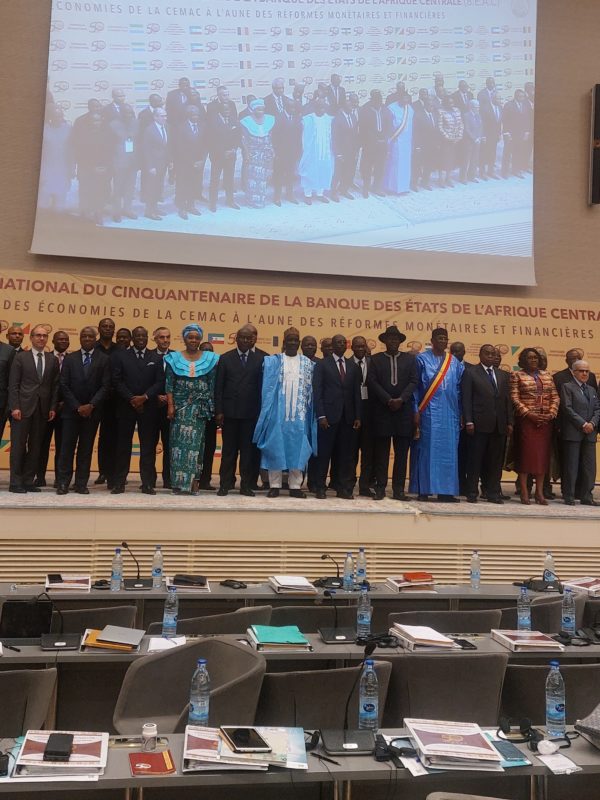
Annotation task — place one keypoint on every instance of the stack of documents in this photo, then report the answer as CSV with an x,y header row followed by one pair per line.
x,y
453,745
206,749
291,584
411,582
114,637
87,760
420,637
591,586
68,583
278,638
188,583
526,641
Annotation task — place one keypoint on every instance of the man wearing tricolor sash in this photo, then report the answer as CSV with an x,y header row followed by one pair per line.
x,y
434,453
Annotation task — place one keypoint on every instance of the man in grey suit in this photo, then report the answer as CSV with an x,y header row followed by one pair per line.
x,y
580,408
32,399
7,354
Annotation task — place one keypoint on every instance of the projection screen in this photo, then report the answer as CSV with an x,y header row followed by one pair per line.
x,y
388,138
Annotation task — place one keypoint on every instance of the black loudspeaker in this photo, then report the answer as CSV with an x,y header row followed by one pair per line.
x,y
594,189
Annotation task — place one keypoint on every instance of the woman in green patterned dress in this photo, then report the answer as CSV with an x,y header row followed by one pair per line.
x,y
190,386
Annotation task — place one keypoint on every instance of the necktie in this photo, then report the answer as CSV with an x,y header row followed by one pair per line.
x,y
243,358
40,366
87,362
280,104
378,112
61,357
492,379
360,364
163,133
342,368
140,355
584,390
194,128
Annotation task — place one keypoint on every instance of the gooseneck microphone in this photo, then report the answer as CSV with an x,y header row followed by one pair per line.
x,y
331,595
336,635
326,556
136,583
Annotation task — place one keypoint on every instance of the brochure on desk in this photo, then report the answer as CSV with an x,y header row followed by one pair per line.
x,y
205,749
88,757
453,745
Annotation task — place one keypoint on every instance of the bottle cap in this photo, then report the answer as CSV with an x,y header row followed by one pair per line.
x,y
172,588
361,549
555,664
201,661
369,662
149,729
158,547
117,550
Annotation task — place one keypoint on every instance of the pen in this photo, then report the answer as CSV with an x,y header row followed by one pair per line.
x,y
10,647
324,758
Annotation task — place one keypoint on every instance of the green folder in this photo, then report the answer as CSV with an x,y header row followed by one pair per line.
x,y
279,634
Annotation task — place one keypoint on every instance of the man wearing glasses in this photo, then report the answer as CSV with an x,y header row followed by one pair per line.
x,y
580,415
32,398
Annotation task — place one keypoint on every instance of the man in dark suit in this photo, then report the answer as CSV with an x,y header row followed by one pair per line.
x,y
516,125
345,139
32,399
60,345
114,108
162,340
375,122
426,143
275,102
337,403
107,438
287,145
84,382
462,97
488,415
7,354
487,94
138,377
14,336
156,157
392,380
566,375
224,139
398,93
578,433
222,102
237,406
364,441
336,94
177,102
146,115
491,126
190,151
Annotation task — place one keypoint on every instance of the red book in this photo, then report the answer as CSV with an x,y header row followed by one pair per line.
x,y
154,763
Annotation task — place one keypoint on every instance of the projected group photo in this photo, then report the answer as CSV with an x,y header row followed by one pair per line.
x,y
376,126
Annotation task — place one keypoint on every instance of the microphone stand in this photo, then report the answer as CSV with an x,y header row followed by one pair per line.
x,y
137,583
336,635
330,582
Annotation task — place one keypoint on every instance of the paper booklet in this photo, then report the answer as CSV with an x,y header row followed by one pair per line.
x,y
182,588
69,583
156,763
527,641
453,745
591,586
206,749
90,751
411,582
291,584
414,637
90,639
276,638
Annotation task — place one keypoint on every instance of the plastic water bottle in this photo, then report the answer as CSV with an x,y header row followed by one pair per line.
x,y
363,614
200,695
568,612
524,611
555,702
157,568
348,573
368,703
169,626
361,565
475,570
116,571
549,568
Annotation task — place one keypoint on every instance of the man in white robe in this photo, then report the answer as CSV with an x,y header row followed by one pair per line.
x,y
317,162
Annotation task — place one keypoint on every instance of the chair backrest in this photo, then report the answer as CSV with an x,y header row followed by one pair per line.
x,y
461,687
524,692
237,621
479,621
546,614
76,620
310,618
157,687
316,698
26,697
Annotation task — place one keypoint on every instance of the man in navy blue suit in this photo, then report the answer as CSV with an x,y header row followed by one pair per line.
x,y
138,378
156,157
85,383
337,403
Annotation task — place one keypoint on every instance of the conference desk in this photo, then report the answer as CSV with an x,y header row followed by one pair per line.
x,y
348,772
220,599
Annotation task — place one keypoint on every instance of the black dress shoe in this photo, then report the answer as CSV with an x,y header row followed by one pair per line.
x,y
81,490
321,494
39,482
344,495
447,498
379,494
33,488
222,492
400,496
569,501
366,493
206,487
247,493
100,479
183,215
62,490
423,498
17,489
273,493
496,500
167,485
117,490
589,503
147,490
194,212
471,498
298,493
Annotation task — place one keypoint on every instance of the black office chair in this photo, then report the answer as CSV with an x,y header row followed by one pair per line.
x,y
237,621
310,618
76,620
26,698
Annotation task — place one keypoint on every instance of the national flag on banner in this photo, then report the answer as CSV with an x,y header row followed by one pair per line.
x,y
246,83
290,48
199,84
496,43
138,47
245,65
289,31
197,47
136,27
139,66
216,338
244,47
458,30
195,30
498,73
141,86
291,64
276,341
496,29
348,62
197,64
497,57
459,45
459,59
243,31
